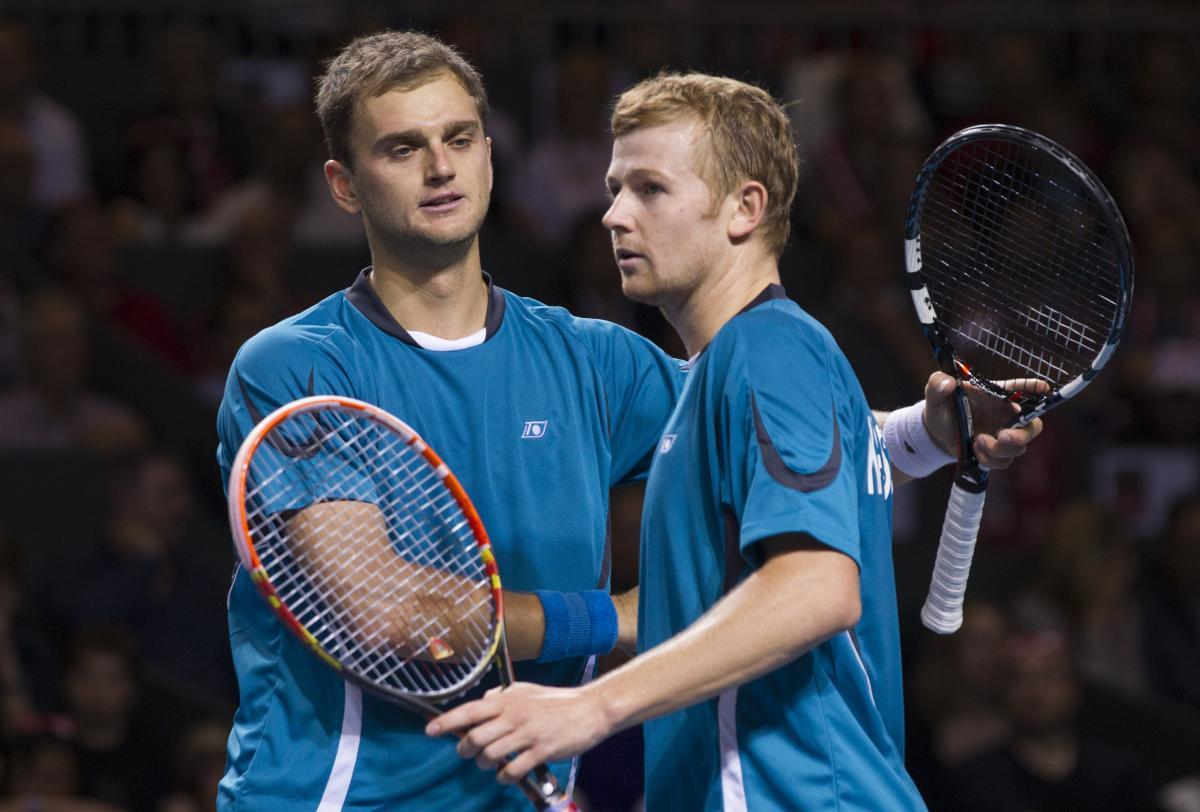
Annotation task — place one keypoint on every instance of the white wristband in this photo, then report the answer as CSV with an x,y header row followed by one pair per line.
x,y
908,442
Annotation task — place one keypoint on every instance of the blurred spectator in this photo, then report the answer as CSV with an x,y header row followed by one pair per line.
x,y
288,181
1048,765
122,757
27,654
52,409
150,579
234,319
60,173
44,775
958,685
860,129
869,313
1172,607
22,224
562,177
1165,92
593,280
83,254
1084,585
199,765
184,111
157,204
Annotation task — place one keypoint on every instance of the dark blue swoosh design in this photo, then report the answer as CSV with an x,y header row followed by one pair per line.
x,y
777,468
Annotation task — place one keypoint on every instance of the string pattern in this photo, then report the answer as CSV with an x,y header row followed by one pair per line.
x,y
371,552
1020,263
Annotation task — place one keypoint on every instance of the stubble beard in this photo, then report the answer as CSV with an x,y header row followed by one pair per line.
x,y
425,248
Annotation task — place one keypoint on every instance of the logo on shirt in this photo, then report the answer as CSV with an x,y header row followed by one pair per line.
x,y
534,429
879,470
664,446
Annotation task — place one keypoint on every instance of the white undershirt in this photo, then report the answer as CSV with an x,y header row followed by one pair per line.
x,y
432,342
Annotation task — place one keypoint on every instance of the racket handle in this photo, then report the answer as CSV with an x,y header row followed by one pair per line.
x,y
543,791
942,611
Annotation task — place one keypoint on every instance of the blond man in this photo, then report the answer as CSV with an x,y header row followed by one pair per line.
x,y
769,668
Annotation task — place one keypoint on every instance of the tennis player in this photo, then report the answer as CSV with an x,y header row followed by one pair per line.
x,y
769,675
538,413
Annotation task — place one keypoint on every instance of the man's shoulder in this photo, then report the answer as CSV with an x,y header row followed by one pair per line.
x,y
777,338
323,325
532,315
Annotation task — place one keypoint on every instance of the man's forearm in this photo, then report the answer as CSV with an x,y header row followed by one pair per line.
x,y
797,600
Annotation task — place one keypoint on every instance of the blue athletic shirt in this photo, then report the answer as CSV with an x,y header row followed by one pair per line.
x,y
538,422
772,435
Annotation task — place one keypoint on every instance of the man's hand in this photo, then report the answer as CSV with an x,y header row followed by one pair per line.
x,y
532,724
995,447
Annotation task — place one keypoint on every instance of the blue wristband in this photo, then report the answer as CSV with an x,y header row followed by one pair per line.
x,y
577,624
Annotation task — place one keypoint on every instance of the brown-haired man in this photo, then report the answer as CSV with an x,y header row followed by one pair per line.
x,y
769,673
539,414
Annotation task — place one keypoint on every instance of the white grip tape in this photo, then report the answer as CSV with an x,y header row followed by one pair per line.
x,y
942,611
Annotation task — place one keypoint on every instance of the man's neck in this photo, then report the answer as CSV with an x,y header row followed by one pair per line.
x,y
718,298
446,300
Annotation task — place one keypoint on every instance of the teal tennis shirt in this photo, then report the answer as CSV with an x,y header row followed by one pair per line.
x,y
538,422
772,435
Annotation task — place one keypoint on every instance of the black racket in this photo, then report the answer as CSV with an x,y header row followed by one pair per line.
x,y
1020,270
368,549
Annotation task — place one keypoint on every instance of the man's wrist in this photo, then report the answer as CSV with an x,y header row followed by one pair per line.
x,y
577,624
913,450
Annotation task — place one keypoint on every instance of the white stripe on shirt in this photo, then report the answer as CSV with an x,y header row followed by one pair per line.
x,y
347,753
733,790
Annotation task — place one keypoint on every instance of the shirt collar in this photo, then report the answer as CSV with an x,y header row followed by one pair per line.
x,y
365,299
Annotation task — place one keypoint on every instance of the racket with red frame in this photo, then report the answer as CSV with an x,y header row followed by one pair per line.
x,y
368,549
1020,269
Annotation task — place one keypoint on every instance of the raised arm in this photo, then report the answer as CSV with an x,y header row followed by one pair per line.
x,y
926,436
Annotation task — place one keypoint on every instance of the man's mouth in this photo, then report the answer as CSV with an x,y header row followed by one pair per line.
x,y
442,202
625,253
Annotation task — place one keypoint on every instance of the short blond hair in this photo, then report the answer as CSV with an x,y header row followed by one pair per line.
x,y
749,137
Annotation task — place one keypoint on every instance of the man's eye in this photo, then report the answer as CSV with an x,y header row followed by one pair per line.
x,y
400,152
461,142
652,189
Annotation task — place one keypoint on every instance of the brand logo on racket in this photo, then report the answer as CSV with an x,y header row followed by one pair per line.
x,y
668,440
534,429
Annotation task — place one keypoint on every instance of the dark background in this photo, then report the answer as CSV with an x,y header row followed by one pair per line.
x,y
161,200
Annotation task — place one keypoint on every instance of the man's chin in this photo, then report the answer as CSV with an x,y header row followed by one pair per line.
x,y
642,291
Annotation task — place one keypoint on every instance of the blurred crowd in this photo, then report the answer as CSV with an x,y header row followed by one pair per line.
x,y
162,199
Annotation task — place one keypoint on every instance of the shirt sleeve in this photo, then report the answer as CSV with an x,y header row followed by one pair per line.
x,y
787,444
641,385
275,367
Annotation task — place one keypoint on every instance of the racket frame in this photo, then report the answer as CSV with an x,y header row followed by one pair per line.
x,y
540,787
1032,404
970,482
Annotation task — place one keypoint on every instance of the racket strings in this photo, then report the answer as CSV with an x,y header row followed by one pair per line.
x,y
1036,204
370,551
996,199
1032,210
1019,264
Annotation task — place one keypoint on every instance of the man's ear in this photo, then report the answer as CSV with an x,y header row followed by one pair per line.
x,y
750,205
341,186
488,140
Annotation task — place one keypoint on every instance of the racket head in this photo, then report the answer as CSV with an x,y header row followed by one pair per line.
x,y
326,453
1019,264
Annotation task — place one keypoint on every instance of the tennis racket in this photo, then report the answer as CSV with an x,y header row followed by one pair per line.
x,y
367,548
1019,266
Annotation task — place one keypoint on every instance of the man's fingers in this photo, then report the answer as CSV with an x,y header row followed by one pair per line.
x,y
519,766
478,739
940,384
464,716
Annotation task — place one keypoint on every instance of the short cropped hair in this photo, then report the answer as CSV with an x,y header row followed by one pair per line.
x,y
374,64
749,137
